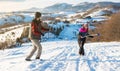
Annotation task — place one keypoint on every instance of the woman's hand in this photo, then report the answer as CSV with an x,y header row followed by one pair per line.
x,y
81,37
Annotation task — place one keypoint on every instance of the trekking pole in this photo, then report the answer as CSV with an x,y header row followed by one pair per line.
x,y
92,35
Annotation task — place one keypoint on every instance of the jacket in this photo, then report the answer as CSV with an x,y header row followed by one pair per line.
x,y
37,29
83,32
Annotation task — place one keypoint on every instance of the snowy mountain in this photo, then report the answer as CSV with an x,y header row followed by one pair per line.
x,y
57,7
62,10
78,7
63,56
103,4
103,10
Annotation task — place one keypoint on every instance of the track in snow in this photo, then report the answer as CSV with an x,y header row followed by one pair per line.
x,y
63,56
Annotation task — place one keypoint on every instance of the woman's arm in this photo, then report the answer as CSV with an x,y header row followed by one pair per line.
x,y
80,35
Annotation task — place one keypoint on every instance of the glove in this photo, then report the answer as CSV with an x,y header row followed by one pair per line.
x,y
42,34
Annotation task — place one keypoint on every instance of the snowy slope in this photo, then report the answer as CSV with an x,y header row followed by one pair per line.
x,y
69,32
12,33
63,56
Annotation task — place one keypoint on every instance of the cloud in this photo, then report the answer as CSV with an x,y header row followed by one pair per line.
x,y
12,0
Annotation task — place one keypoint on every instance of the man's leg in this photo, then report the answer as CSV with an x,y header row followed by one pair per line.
x,y
31,53
39,47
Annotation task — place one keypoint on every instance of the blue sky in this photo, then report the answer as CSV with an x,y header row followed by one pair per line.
x,y
15,5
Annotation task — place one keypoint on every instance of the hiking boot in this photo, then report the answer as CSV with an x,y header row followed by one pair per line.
x,y
83,53
27,59
37,58
80,51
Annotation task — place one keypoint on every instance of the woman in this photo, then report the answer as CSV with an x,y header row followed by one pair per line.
x,y
83,31
36,30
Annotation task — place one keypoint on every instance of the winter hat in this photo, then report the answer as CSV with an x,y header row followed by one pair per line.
x,y
85,24
37,14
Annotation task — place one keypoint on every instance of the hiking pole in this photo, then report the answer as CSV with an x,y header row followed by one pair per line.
x,y
91,35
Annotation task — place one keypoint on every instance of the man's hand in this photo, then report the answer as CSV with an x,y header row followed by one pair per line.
x,y
42,34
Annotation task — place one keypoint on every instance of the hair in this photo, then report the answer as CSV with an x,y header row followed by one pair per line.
x,y
37,14
85,24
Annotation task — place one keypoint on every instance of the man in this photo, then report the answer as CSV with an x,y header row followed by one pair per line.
x,y
37,28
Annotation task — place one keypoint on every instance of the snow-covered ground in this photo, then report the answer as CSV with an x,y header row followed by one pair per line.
x,y
62,55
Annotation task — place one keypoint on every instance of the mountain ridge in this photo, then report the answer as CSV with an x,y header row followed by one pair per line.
x,y
80,7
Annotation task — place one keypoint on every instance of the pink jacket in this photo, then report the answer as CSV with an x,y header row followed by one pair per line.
x,y
83,30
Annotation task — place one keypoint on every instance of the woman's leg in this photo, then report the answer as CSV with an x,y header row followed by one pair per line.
x,y
79,42
82,46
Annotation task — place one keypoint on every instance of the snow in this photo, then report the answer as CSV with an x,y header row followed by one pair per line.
x,y
57,54
27,18
62,55
57,25
66,13
13,33
15,18
97,13
2,21
69,32
75,14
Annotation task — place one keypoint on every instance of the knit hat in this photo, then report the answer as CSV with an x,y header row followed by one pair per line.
x,y
37,14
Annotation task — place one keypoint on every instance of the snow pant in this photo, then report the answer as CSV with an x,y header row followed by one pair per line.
x,y
36,47
81,42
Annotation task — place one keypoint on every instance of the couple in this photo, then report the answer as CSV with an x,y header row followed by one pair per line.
x,y
38,27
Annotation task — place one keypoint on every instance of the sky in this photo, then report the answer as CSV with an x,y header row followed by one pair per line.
x,y
15,5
